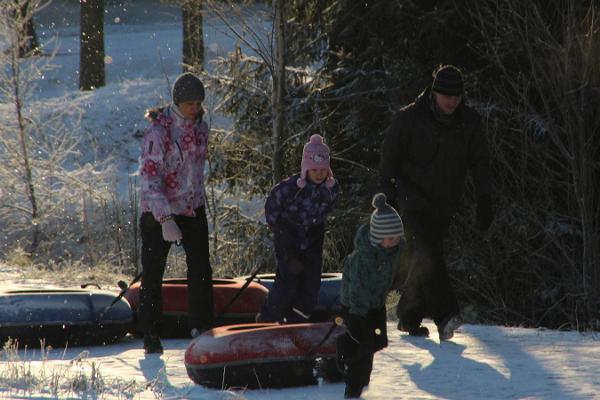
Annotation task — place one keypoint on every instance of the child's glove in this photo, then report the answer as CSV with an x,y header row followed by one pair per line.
x,y
170,231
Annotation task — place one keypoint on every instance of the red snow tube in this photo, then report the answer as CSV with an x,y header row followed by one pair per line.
x,y
175,304
262,355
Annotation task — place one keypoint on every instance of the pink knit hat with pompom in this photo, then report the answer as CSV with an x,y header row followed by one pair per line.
x,y
315,156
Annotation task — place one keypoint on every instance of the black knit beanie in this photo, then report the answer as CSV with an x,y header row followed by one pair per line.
x,y
385,221
448,80
187,87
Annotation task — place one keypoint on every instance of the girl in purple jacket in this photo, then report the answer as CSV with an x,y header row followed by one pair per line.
x,y
172,204
296,210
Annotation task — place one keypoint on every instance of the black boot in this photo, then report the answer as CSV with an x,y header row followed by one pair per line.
x,y
448,326
152,344
419,331
352,392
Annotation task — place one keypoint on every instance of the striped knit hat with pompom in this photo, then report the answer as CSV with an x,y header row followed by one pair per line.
x,y
385,221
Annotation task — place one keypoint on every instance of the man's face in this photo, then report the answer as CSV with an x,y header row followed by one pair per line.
x,y
447,103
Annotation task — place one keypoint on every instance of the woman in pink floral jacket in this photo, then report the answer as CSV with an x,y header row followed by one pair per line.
x,y
172,205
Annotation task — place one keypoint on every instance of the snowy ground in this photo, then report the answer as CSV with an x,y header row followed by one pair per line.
x,y
481,362
143,40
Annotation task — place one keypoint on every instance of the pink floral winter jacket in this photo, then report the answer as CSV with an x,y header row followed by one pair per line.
x,y
172,164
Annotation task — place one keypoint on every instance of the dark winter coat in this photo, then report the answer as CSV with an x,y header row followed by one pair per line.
x,y
368,274
300,213
424,162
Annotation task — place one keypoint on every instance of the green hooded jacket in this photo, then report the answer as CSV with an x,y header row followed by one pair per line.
x,y
368,274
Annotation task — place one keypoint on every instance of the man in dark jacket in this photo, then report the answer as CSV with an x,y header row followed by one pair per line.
x,y
427,151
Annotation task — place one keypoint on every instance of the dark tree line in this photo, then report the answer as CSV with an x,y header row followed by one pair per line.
x,y
532,70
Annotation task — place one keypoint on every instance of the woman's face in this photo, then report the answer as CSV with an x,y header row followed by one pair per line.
x,y
190,109
318,175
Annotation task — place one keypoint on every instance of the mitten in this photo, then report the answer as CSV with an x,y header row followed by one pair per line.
x,y
485,213
170,231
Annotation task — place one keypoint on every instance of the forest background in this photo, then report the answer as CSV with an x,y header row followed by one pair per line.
x,y
532,69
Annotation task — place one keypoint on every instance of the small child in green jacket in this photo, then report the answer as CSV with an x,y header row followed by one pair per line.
x,y
366,281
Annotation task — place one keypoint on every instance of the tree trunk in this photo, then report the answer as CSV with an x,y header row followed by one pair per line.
x,y
91,60
28,41
24,149
585,181
278,90
193,39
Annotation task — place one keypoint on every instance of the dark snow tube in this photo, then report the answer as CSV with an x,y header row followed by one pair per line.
x,y
62,317
175,304
329,294
260,355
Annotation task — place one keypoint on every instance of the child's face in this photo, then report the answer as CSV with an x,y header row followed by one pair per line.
x,y
390,242
190,109
318,175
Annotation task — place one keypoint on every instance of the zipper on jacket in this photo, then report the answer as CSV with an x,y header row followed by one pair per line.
x,y
179,148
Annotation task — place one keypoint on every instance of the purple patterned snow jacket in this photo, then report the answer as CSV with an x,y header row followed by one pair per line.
x,y
300,213
172,164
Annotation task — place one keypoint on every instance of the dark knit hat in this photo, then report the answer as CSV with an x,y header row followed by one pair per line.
x,y
448,80
187,87
385,221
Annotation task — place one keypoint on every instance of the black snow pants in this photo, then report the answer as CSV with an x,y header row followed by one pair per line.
x,y
357,347
427,291
199,272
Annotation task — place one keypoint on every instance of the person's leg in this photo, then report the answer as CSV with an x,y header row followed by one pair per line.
x,y
412,305
368,369
199,271
358,373
309,284
279,300
443,305
154,258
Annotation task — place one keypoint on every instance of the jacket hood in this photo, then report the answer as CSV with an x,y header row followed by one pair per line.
x,y
153,113
362,240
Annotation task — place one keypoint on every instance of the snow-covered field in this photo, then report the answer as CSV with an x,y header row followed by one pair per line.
x,y
480,362
143,41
